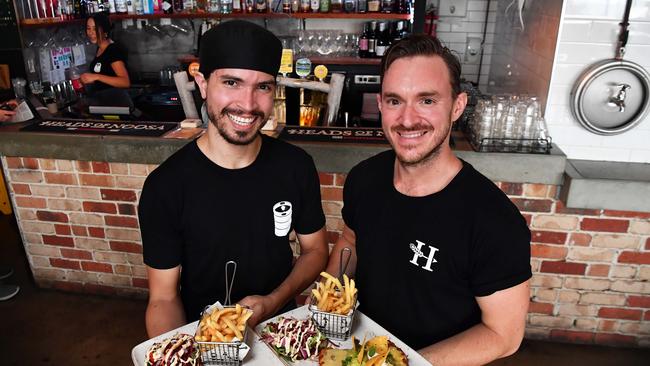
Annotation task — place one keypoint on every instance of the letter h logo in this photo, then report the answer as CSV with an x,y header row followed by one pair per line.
x,y
417,253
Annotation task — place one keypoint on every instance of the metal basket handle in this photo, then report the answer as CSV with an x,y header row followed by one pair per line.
x,y
342,267
232,281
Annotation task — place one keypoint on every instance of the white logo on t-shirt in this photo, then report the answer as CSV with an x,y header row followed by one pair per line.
x,y
417,254
282,217
98,67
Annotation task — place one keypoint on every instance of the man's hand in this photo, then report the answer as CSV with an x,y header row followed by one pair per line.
x,y
263,307
503,321
8,113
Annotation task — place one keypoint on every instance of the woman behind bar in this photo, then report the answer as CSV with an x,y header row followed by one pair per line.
x,y
108,78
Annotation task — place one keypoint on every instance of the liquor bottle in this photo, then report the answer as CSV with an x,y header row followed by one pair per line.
x,y
363,41
324,6
75,77
70,6
383,40
61,10
139,6
372,39
213,6
236,6
178,6
362,6
130,8
286,6
400,31
395,30
304,6
260,6
120,7
226,6
387,6
250,6
145,6
83,9
373,6
336,6
315,6
350,6
402,7
295,6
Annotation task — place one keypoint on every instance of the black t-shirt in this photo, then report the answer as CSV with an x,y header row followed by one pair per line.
x,y
421,261
102,64
199,215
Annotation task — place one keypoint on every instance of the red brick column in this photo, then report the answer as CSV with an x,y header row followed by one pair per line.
x,y
78,222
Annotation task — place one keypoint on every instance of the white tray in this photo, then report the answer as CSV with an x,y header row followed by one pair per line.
x,y
261,354
258,355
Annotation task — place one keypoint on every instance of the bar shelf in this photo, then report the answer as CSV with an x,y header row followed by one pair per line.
x,y
380,16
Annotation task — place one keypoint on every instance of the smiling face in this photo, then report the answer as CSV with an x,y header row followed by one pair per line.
x,y
418,108
238,101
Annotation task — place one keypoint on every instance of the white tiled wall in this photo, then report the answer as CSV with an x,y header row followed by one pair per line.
x,y
522,58
454,31
588,33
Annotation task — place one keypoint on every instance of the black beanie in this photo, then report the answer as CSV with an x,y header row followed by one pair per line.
x,y
238,44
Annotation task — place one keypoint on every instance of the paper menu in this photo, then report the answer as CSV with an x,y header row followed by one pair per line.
x,y
23,113
61,57
79,55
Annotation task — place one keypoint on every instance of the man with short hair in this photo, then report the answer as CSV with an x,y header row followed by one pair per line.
x,y
233,194
440,255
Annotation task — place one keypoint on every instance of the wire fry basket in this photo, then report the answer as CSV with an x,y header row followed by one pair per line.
x,y
332,325
223,353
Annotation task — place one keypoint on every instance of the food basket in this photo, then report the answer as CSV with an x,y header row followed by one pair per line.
x,y
223,353
334,326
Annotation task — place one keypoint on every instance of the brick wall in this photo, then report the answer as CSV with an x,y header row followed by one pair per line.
x,y
591,268
78,222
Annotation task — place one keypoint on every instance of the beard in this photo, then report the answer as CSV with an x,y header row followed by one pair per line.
x,y
235,137
424,156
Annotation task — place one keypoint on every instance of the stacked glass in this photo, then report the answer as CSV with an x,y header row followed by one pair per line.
x,y
509,122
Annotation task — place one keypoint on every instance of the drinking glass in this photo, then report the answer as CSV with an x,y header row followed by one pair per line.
x,y
19,87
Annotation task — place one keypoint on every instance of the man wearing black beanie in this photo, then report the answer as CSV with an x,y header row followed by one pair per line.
x,y
232,194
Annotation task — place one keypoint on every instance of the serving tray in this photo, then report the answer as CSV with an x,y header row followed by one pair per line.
x,y
261,354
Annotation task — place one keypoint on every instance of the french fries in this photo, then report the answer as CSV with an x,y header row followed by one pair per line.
x,y
223,325
334,297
